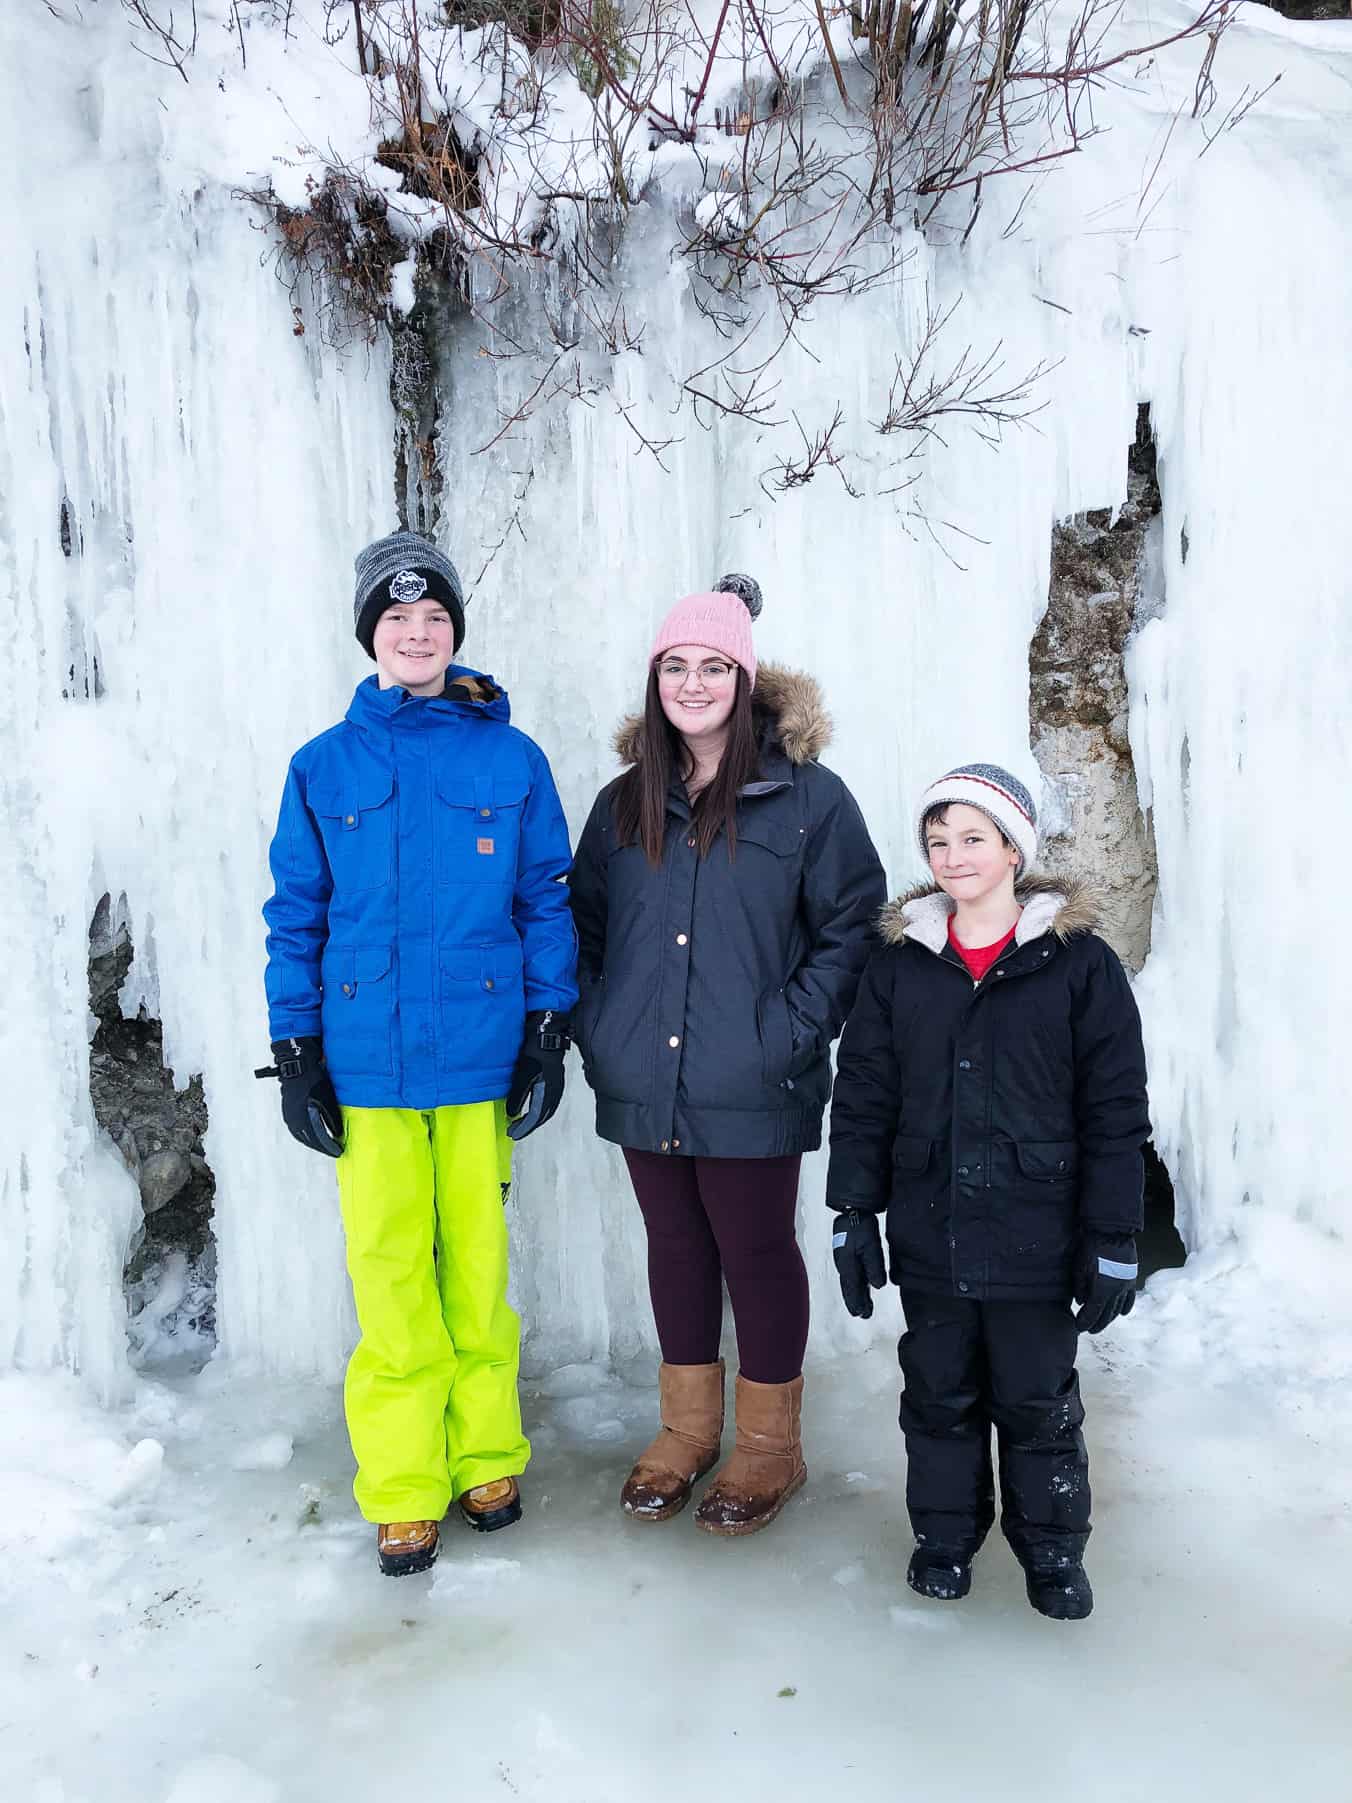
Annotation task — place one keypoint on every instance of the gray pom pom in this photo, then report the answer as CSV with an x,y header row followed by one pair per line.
x,y
746,588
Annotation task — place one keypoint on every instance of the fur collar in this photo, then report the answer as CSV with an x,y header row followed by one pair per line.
x,y
470,687
1063,905
787,704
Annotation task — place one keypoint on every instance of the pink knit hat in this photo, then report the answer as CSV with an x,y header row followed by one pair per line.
x,y
719,619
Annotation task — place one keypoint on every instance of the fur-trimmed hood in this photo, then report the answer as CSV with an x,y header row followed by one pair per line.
x,y
1063,905
788,707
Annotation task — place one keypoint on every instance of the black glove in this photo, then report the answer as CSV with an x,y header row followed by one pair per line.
x,y
309,1106
857,1248
537,1081
1105,1279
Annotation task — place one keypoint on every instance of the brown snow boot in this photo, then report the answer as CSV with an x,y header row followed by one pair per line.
x,y
688,1445
766,1466
491,1506
404,1547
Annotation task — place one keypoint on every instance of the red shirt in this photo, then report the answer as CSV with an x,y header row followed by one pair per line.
x,y
979,958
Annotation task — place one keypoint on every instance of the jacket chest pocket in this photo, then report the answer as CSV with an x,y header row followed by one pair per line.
x,y
780,838
356,822
764,880
478,826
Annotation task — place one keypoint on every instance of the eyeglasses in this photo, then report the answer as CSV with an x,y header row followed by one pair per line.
x,y
711,674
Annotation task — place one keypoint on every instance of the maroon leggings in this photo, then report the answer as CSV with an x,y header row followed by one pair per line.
x,y
711,1218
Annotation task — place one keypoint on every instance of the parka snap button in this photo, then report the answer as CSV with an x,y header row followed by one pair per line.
x,y
964,1288
964,1064
691,844
666,1146
962,1170
681,939
674,1040
488,982
484,813
1000,972
675,1142
350,820
347,989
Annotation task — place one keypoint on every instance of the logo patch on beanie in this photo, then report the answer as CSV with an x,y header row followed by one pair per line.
x,y
407,586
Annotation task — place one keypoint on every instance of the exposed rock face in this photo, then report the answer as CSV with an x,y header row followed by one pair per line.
x,y
1103,584
1311,9
158,1130
1078,705
417,342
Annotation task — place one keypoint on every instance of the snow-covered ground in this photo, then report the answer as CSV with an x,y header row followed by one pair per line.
x,y
193,1612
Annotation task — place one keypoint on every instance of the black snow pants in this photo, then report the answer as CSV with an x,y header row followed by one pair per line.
x,y
970,1365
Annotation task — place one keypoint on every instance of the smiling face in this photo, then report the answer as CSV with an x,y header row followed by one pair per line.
x,y
414,643
697,688
968,856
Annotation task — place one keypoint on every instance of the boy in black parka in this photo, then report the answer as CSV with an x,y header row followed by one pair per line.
x,y
991,1097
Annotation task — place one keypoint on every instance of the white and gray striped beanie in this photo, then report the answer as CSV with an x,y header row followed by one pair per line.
x,y
406,567
999,795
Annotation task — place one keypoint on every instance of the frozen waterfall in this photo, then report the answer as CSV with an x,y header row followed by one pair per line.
x,y
184,477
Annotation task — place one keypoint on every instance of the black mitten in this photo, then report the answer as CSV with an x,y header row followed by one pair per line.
x,y
1105,1279
857,1248
309,1106
537,1081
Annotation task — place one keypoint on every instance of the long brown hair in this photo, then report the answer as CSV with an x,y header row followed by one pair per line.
x,y
641,797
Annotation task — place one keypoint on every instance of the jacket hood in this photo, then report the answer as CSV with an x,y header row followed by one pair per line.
x,y
466,689
1063,905
788,709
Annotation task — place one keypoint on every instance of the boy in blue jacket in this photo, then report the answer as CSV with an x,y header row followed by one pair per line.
x,y
421,969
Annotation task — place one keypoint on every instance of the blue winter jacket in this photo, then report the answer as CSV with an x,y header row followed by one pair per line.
x,y
419,908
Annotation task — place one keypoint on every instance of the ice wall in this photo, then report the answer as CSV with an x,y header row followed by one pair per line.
x,y
1240,721
921,660
219,470
214,470
1177,262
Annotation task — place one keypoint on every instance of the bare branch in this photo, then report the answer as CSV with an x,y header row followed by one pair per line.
x,y
818,453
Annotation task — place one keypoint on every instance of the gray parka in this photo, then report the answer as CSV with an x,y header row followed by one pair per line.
x,y
712,988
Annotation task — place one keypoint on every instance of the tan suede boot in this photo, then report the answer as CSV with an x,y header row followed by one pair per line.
x,y
766,1466
494,1505
405,1547
692,1427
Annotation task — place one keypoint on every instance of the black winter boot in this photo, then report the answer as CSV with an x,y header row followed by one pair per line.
x,y
1059,1587
942,1574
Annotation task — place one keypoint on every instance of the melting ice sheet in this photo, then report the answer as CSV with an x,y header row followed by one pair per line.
x,y
222,1635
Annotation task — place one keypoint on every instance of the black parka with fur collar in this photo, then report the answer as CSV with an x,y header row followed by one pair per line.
x,y
712,988
993,1121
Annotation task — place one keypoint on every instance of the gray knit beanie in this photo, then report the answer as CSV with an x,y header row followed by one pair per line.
x,y
404,567
1000,796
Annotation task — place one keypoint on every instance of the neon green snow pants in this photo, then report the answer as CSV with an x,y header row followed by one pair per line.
x,y
431,1396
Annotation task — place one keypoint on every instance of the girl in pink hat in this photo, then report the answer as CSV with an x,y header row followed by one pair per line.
x,y
724,890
